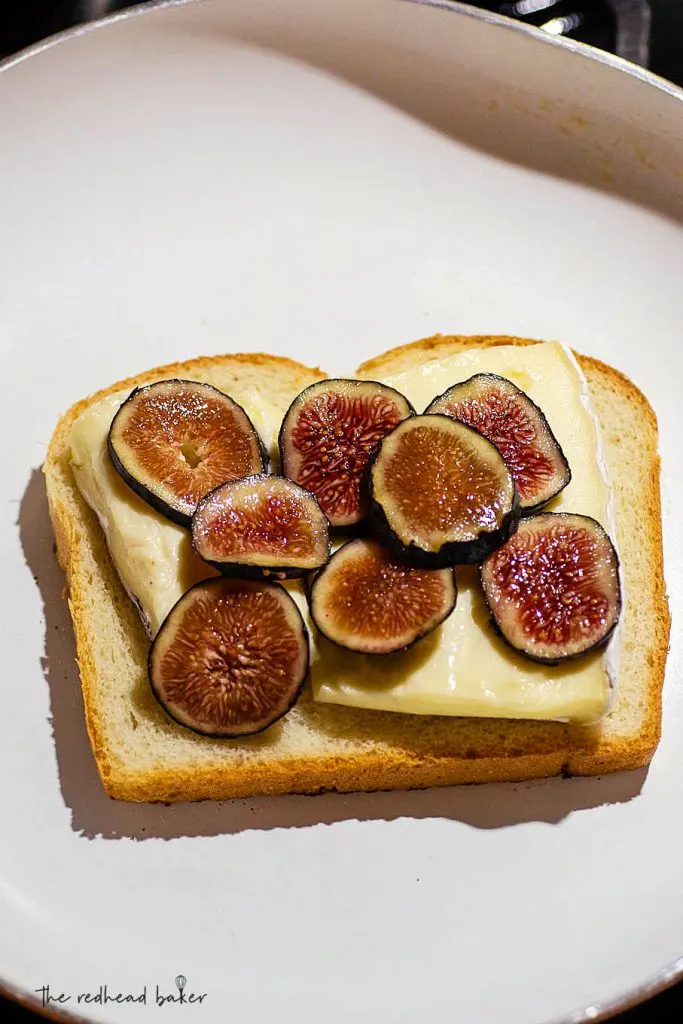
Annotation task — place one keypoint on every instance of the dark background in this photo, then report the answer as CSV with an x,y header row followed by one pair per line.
x,y
23,22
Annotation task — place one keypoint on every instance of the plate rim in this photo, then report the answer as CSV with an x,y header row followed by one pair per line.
x,y
583,50
672,972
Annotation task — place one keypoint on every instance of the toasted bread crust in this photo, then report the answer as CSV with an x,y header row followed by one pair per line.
x,y
386,757
643,518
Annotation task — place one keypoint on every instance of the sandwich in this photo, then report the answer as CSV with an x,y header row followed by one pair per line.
x,y
444,569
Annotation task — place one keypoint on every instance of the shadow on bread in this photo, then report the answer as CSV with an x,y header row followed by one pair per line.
x,y
94,814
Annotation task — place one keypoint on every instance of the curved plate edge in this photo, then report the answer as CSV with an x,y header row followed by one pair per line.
x,y
673,972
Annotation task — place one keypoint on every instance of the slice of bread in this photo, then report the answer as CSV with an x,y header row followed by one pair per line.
x,y
142,755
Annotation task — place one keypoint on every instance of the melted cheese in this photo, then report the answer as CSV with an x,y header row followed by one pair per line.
x,y
153,556
463,668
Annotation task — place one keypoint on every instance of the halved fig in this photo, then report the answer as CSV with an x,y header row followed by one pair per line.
x,y
506,415
175,440
261,526
553,589
367,601
231,657
440,493
326,438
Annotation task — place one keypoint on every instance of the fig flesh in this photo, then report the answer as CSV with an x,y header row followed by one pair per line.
x,y
368,602
553,589
327,436
261,526
440,493
231,657
506,415
176,440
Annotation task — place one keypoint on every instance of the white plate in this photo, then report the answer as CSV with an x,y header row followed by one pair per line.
x,y
324,180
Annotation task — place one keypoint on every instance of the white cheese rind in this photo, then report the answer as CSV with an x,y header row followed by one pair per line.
x,y
613,649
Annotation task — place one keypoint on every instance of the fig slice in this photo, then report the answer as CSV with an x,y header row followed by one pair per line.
x,y
327,436
553,589
261,526
441,494
368,602
230,658
175,440
506,415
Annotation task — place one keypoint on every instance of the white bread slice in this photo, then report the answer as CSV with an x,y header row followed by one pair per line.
x,y
142,755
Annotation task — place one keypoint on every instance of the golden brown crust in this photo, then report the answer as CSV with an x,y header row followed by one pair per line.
x,y
484,751
645,518
374,770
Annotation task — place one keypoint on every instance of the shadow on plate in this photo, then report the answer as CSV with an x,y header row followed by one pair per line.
x,y
573,133
95,814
